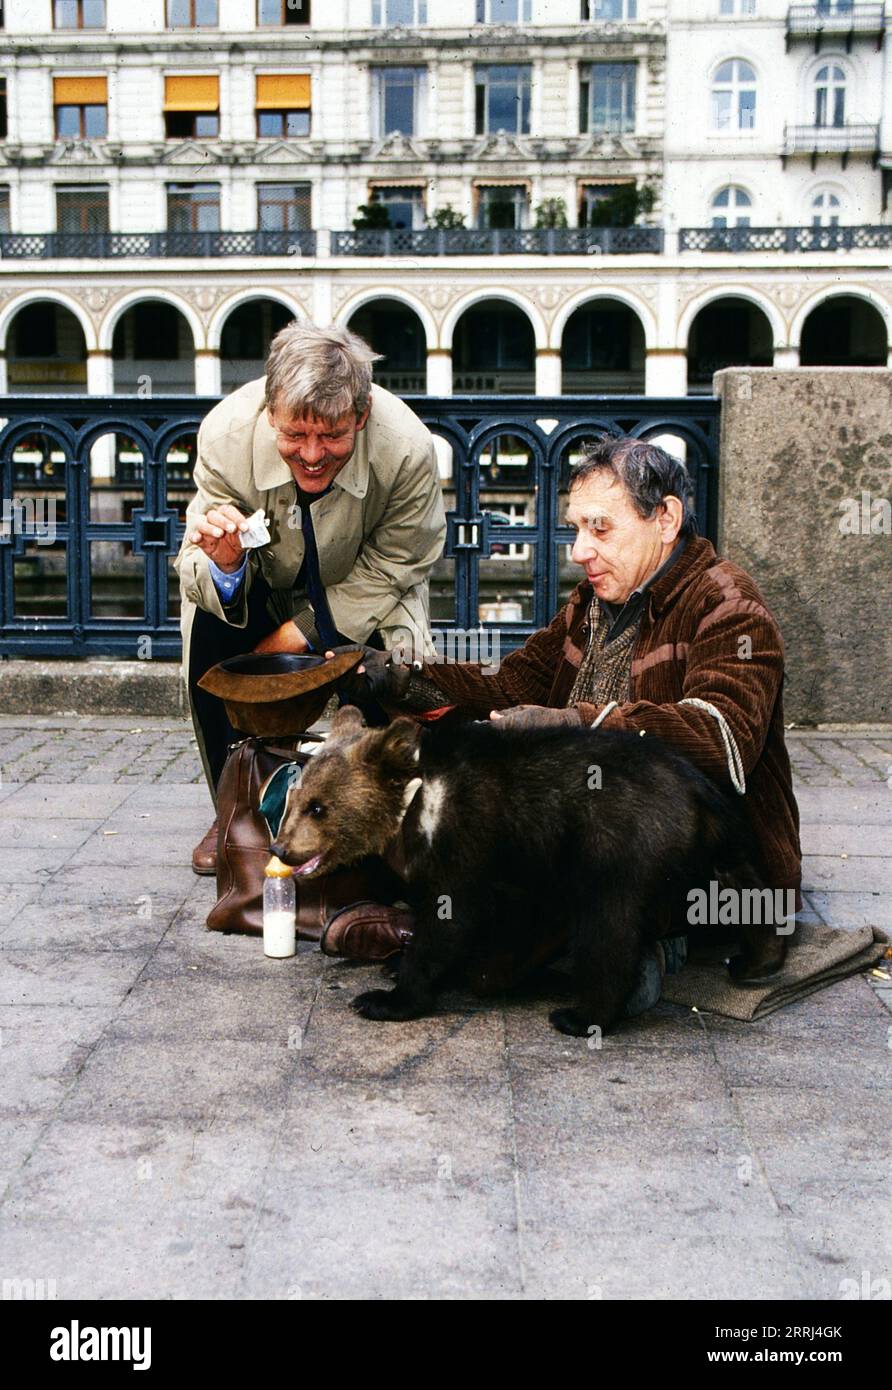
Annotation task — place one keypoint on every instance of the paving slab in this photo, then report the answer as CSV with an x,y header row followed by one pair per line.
x,y
182,1118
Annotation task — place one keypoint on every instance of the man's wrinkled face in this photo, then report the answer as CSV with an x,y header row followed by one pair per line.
x,y
315,450
617,548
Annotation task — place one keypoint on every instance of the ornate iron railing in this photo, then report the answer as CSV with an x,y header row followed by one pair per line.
x,y
94,491
790,239
832,139
508,241
152,245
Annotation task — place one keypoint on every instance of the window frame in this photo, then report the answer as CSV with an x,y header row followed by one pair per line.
x,y
587,124
833,213
378,186
523,98
5,209
483,12
380,20
589,15
94,189
82,108
380,74
270,184
729,218
184,28
734,87
522,204
832,91
737,9
172,189
284,113
284,9
80,25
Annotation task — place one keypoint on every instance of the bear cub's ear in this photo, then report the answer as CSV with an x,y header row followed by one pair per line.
x,y
396,748
346,725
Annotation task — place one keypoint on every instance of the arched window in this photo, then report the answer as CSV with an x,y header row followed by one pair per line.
x,y
830,95
732,7
825,209
731,207
734,96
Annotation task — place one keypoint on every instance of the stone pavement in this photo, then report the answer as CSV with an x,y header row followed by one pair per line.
x,y
181,1118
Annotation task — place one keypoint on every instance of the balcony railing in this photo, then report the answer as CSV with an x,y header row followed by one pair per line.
x,y
848,21
787,239
153,245
832,139
97,488
508,241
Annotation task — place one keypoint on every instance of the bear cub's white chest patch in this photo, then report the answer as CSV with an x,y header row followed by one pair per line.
x,y
433,799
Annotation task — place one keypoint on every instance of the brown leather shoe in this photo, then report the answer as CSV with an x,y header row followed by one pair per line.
x,y
367,931
204,855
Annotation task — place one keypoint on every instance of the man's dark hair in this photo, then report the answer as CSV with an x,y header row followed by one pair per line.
x,y
646,471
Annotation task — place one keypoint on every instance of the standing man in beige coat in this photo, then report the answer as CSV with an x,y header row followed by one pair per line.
x,y
346,475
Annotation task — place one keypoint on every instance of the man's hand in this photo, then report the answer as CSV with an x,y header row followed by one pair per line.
x,y
287,638
217,534
536,717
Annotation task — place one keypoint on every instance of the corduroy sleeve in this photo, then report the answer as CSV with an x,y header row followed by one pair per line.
x,y
735,662
523,678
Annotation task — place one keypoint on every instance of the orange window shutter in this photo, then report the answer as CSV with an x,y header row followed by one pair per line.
x,y
283,92
192,93
80,91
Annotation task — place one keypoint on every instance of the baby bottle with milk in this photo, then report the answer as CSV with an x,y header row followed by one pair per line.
x,y
279,911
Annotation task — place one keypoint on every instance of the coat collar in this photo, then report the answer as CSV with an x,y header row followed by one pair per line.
x,y
271,470
697,556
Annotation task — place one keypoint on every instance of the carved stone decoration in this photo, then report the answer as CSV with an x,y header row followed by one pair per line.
x,y
77,152
207,297
96,297
548,296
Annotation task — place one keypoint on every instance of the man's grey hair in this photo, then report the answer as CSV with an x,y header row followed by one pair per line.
x,y
646,471
320,372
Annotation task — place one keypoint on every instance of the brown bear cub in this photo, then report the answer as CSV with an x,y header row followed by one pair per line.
x,y
510,833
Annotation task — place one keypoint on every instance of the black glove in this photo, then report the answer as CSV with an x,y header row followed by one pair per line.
x,y
377,679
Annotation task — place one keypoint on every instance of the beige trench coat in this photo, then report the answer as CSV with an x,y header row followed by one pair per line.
x,y
379,531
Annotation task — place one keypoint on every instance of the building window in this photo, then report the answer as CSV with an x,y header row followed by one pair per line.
x,y
191,107
503,99
78,14
504,11
825,209
283,104
193,207
731,207
276,13
405,14
826,7
734,96
284,207
3,124
593,195
192,14
81,107
607,97
609,9
404,204
830,95
398,96
82,208
503,206
4,208
737,7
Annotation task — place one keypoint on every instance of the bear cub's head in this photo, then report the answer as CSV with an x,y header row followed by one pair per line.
x,y
352,797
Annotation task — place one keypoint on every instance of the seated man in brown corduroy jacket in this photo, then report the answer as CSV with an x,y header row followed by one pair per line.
x,y
658,620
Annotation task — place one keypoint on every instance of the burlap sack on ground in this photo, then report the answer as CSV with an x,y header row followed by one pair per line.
x,y
820,956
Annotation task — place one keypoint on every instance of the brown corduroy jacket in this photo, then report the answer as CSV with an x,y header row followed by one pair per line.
x,y
707,633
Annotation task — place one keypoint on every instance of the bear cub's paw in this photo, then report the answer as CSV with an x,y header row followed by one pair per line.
x,y
570,1021
383,1004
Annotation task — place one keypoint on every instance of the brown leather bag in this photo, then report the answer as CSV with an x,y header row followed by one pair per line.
x,y
243,850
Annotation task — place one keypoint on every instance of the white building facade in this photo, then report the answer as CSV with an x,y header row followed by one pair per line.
x,y
577,196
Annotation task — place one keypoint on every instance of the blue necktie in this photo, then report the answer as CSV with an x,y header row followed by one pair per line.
x,y
325,626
